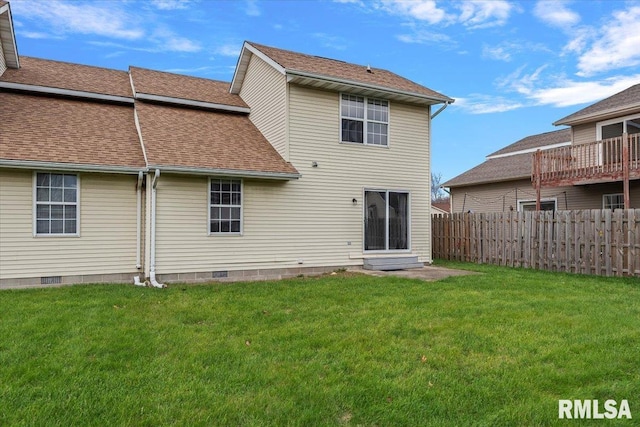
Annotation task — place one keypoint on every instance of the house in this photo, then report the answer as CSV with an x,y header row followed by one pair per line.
x,y
440,207
299,165
594,163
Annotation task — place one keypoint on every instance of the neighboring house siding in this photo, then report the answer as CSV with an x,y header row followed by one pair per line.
x,y
307,222
264,90
107,242
500,197
583,134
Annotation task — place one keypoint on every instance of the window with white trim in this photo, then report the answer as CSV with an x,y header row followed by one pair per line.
x,y
364,120
225,206
530,205
386,220
56,204
613,201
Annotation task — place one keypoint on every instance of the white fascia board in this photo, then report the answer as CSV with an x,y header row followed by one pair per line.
x,y
297,73
192,103
14,48
243,63
599,115
185,170
530,150
66,92
136,120
279,68
76,167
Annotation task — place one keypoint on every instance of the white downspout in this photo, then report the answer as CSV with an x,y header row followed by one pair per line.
x,y
136,279
152,272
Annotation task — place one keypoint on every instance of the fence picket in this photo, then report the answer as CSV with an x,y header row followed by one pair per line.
x,y
598,242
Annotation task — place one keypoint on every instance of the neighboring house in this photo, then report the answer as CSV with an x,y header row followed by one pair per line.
x,y
440,207
300,165
593,164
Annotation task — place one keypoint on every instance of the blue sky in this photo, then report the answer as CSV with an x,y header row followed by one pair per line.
x,y
514,67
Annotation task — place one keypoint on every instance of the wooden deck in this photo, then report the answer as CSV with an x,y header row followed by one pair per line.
x,y
614,159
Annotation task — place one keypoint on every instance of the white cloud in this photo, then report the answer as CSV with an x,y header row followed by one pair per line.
x,y
83,18
229,49
252,8
506,50
486,104
616,45
423,10
427,37
484,13
567,93
499,53
333,42
555,13
171,4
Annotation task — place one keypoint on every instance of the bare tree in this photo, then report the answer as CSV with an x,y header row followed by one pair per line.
x,y
437,193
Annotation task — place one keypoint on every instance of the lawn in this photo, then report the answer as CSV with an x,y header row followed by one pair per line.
x,y
497,348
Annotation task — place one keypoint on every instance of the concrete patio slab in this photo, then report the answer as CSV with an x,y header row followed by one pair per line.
x,y
428,273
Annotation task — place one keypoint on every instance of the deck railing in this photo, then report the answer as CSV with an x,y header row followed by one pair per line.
x,y
598,161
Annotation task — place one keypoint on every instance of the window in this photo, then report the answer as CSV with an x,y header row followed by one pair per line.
x,y
386,220
225,206
530,205
613,201
364,125
56,201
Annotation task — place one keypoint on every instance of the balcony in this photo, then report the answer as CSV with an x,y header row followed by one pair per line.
x,y
614,159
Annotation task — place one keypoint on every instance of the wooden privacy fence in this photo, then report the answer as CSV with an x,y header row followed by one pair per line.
x,y
601,242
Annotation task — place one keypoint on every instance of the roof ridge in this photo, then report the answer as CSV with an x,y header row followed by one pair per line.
x,y
75,64
308,55
179,75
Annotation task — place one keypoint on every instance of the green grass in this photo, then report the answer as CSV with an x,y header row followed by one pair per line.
x,y
497,348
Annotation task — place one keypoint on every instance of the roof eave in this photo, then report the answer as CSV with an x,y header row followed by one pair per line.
x,y
243,63
489,181
303,77
186,170
74,167
598,115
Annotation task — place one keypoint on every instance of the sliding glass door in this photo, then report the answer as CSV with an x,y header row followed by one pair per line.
x,y
386,220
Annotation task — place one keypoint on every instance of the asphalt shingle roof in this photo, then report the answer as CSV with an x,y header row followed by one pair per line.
x,y
183,87
64,75
47,129
183,137
344,70
514,166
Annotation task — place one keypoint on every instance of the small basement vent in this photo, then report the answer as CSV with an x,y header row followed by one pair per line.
x,y
51,280
220,274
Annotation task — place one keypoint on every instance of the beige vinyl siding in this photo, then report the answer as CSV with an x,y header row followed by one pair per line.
x,y
264,90
583,134
107,242
3,63
309,222
501,196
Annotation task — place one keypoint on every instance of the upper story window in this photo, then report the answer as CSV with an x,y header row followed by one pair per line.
x,y
56,201
225,206
364,120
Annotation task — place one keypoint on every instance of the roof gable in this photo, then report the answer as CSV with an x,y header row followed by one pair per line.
x,y
536,141
8,37
335,74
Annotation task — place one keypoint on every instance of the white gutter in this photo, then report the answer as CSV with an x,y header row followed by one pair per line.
x,y
139,218
228,172
192,103
530,150
28,164
136,279
66,92
152,272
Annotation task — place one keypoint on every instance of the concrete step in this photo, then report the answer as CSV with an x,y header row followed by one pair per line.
x,y
391,263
